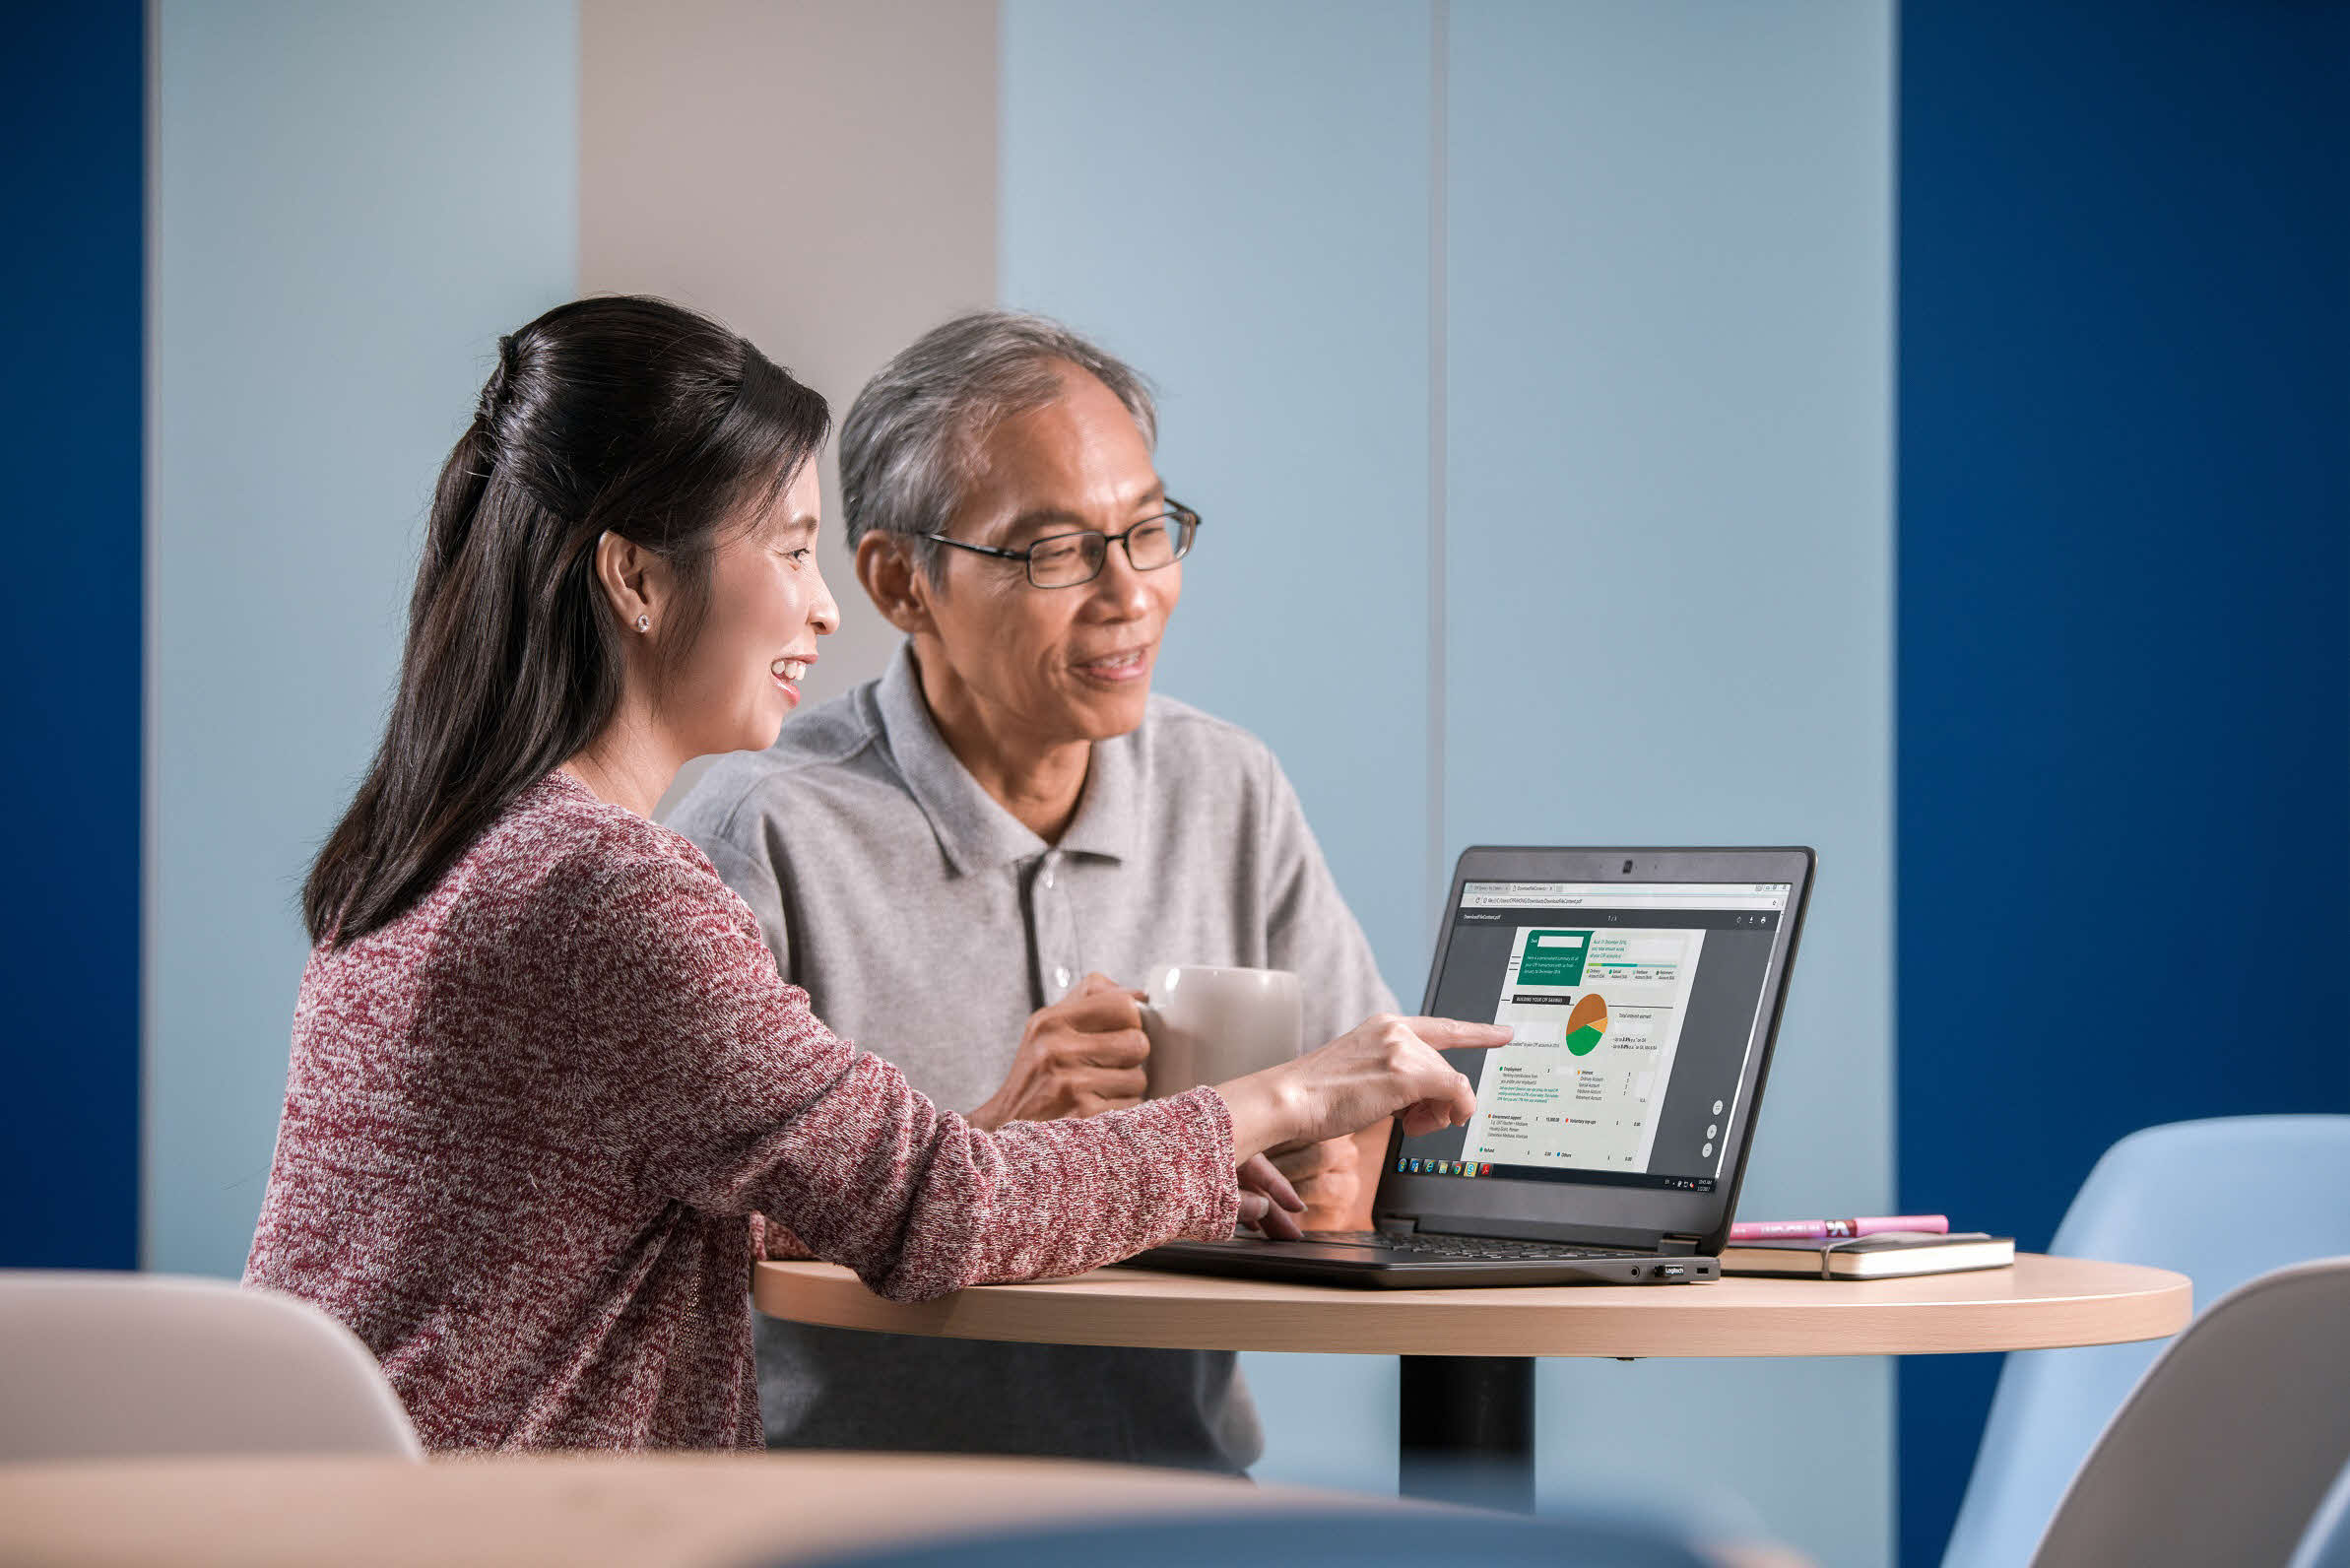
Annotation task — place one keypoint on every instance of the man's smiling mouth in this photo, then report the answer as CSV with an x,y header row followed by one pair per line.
x,y
1117,665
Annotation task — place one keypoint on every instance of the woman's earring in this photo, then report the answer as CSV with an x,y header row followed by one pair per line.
x,y
644,622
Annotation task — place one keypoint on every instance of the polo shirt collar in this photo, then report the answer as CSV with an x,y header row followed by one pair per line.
x,y
973,829
1109,813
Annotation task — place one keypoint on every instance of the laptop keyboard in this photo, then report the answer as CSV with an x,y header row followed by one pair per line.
x,y
1464,1249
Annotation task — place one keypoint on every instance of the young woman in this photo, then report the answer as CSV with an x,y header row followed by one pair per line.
x,y
546,1088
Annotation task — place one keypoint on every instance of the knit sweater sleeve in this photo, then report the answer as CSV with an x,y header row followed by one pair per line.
x,y
710,1079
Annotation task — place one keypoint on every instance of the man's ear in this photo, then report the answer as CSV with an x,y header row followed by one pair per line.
x,y
899,588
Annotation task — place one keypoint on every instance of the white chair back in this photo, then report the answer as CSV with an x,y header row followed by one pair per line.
x,y
118,1365
2227,1446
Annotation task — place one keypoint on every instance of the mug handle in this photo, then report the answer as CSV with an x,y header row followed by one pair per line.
x,y
1150,1016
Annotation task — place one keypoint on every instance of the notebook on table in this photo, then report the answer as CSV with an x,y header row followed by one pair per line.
x,y
1887,1255
1643,988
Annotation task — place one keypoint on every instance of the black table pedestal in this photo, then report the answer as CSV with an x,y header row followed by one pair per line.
x,y
1468,1428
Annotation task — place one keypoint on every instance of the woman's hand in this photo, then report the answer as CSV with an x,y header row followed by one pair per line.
x,y
1385,1066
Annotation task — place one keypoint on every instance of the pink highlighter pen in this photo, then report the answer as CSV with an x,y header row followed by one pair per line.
x,y
1831,1229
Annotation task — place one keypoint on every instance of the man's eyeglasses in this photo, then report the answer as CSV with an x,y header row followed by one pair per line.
x,y
1068,560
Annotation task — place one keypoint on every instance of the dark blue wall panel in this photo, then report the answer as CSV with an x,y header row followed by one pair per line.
x,y
2123,816
72,196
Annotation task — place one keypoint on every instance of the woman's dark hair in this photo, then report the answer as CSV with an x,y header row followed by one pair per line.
x,y
625,415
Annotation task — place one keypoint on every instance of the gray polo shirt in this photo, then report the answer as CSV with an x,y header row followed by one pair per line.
x,y
926,924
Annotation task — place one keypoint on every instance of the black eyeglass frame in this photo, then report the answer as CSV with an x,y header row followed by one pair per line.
x,y
1176,512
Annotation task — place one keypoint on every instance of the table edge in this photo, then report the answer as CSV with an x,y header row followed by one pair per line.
x,y
1464,1323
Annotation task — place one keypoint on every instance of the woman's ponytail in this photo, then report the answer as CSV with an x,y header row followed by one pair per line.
x,y
625,415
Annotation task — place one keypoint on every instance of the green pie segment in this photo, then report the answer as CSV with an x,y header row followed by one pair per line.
x,y
1586,1024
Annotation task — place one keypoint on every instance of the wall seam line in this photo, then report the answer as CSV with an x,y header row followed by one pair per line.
x,y
149,719
1439,75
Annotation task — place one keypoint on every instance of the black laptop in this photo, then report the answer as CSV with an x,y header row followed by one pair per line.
x,y
1643,988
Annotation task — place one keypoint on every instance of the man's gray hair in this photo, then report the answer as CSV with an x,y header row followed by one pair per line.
x,y
911,441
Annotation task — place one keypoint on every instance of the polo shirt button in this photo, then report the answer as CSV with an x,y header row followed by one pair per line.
x,y
1048,876
1060,977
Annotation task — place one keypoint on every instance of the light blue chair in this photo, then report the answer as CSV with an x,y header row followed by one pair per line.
x,y
2220,1201
2326,1544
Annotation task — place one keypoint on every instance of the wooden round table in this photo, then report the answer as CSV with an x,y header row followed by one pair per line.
x,y
576,1510
1467,1416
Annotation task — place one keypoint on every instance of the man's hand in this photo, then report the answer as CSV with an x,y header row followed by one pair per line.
x,y
1079,1056
1268,1201
1329,1177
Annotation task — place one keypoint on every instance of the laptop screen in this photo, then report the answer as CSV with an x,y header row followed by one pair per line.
x,y
1632,1008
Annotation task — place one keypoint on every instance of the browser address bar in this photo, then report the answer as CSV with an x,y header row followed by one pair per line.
x,y
1618,900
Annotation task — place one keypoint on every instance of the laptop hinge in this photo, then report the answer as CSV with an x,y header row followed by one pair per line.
x,y
1627,1238
1679,1245
1395,1224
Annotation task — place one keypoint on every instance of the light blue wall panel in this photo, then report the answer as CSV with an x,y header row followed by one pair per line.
x,y
1668,547
351,203
1235,197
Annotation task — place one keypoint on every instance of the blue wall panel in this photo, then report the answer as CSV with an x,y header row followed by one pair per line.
x,y
73,92
1669,533
1235,197
1668,309
2125,761
351,202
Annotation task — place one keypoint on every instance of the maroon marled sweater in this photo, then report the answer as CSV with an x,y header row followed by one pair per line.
x,y
528,1123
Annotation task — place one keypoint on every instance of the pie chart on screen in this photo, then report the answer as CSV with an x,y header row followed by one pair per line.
x,y
1586,1024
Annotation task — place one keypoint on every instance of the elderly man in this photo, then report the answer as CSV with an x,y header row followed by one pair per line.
x,y
968,861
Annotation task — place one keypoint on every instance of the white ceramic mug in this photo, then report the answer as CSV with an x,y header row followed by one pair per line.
x,y
1210,1026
